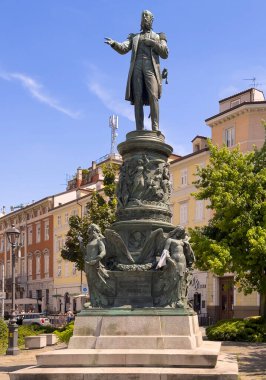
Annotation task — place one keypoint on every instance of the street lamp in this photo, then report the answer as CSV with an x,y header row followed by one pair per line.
x,y
12,234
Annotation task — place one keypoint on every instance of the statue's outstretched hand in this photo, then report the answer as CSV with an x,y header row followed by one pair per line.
x,y
109,41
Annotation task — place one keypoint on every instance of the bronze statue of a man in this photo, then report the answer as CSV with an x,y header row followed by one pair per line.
x,y
144,84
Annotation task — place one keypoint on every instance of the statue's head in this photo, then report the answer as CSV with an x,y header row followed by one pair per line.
x,y
146,20
93,231
137,236
178,233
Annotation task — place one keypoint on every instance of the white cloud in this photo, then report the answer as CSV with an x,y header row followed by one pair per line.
x,y
36,90
117,106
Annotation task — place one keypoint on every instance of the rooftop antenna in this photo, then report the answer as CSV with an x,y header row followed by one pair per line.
x,y
68,178
13,208
254,84
113,124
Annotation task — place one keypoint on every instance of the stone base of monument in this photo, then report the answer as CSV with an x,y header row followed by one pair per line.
x,y
147,328
226,369
120,344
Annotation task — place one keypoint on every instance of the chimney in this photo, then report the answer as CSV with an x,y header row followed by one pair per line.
x,y
93,165
79,177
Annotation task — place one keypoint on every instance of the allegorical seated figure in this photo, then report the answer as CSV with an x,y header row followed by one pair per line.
x,y
178,252
175,245
144,84
96,273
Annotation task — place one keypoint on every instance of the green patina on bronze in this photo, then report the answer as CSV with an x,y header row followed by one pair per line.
x,y
144,84
113,312
142,261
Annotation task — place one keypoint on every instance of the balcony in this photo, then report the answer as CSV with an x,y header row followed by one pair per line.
x,y
21,279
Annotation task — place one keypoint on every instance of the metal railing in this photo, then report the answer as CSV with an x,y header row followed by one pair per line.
x,y
114,156
206,319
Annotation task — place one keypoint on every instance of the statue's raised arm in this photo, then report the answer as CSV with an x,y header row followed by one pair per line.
x,y
123,47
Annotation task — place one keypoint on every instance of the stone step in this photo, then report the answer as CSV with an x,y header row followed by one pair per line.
x,y
226,369
204,356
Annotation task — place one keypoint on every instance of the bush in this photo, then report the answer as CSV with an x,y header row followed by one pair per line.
x,y
65,333
3,336
241,330
28,330
23,331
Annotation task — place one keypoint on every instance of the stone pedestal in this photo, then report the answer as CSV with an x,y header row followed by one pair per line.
x,y
136,329
143,189
141,344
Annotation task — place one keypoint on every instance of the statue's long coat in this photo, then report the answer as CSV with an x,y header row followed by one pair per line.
x,y
160,50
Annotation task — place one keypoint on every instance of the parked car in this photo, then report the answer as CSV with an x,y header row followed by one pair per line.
x,y
38,319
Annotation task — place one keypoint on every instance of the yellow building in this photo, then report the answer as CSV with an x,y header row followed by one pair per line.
x,y
239,122
70,285
186,209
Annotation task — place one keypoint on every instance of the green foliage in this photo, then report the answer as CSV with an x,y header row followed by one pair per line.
x,y
71,251
102,207
23,331
28,330
66,333
3,336
235,239
101,210
241,330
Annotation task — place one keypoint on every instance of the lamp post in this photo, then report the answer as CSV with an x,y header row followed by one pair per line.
x,y
3,290
13,236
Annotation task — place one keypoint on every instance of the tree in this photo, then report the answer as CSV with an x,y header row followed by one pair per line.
x,y
101,210
234,240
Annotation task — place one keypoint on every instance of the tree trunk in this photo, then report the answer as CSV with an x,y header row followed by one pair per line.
x,y
263,305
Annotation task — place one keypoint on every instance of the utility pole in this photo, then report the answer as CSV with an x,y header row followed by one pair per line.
x,y
113,124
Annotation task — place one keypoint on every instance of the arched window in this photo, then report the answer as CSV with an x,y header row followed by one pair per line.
x,y
46,262
30,266
38,264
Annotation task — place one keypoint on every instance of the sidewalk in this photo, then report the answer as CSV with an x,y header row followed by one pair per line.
x,y
26,358
251,359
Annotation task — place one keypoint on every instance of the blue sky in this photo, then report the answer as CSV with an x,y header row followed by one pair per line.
x,y
59,82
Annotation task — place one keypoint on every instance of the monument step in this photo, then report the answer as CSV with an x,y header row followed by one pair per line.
x,y
204,356
226,369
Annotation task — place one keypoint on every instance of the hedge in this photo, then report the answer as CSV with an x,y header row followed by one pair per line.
x,y
242,330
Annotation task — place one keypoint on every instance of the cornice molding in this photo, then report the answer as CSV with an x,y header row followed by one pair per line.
x,y
233,113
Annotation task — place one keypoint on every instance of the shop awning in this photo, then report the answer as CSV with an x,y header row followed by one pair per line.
x,y
24,301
